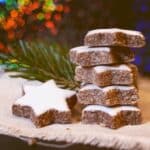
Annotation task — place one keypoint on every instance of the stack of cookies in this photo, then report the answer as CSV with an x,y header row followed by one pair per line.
x,y
108,90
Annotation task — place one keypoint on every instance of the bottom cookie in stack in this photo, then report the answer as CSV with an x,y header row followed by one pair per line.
x,y
112,117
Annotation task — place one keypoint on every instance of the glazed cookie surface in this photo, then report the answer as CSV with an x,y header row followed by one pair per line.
x,y
114,37
92,56
125,74
108,96
112,117
45,104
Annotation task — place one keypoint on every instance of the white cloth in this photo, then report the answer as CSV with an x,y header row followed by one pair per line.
x,y
128,137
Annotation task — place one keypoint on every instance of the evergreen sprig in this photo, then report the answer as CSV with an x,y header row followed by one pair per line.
x,y
41,61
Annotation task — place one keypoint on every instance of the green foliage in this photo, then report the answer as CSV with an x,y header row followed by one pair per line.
x,y
41,61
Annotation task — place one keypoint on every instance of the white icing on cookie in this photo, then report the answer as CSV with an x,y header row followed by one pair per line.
x,y
124,88
110,110
82,49
45,97
107,88
116,30
105,68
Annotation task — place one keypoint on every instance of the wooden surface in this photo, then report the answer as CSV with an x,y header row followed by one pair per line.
x,y
11,143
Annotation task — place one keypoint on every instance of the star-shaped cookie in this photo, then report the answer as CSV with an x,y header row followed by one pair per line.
x,y
45,104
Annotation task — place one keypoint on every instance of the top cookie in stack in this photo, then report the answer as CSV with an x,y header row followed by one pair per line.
x,y
114,37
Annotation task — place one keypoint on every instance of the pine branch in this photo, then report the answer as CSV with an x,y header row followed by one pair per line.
x,y
42,61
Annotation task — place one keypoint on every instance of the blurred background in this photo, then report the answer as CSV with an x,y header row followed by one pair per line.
x,y
67,21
